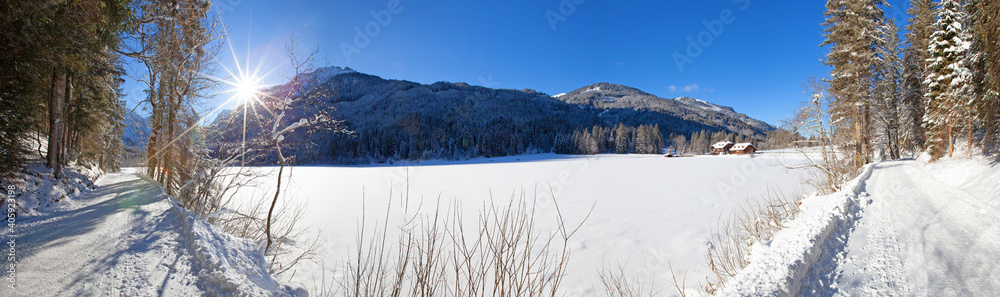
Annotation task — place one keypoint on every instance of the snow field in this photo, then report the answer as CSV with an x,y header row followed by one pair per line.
x,y
647,210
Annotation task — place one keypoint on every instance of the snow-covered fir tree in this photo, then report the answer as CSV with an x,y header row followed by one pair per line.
x,y
915,57
984,23
948,79
852,32
888,92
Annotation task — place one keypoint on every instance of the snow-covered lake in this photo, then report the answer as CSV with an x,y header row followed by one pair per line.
x,y
647,209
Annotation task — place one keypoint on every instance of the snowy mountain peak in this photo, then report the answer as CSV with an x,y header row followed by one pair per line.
x,y
325,73
702,104
608,90
628,104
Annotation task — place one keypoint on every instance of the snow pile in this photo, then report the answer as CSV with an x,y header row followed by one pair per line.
x,y
227,265
971,176
778,267
36,192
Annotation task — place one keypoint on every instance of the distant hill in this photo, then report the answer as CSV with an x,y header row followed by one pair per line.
x,y
684,115
396,119
135,138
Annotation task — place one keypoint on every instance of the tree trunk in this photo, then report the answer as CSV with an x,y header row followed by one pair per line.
x,y
56,121
168,159
858,148
151,143
67,129
865,145
969,127
951,142
270,211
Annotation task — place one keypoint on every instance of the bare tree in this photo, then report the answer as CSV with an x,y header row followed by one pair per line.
x,y
280,101
813,119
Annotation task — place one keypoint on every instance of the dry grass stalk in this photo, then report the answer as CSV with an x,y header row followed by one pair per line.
x,y
437,255
755,221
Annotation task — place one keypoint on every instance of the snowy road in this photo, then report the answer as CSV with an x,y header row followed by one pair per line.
x,y
923,232
123,239
105,244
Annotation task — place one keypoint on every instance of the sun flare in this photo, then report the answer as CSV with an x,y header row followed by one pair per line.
x,y
246,89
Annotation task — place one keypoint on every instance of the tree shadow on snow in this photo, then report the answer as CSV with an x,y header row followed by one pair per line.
x,y
62,227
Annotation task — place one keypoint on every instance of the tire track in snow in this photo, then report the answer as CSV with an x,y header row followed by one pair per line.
x,y
882,273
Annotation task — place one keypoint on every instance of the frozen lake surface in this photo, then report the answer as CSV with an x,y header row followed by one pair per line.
x,y
647,209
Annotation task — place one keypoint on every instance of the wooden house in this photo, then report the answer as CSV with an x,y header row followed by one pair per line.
x,y
743,149
721,148
806,143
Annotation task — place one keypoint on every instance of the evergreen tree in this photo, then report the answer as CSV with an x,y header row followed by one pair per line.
x,y
985,25
852,32
622,139
948,79
889,91
915,58
58,68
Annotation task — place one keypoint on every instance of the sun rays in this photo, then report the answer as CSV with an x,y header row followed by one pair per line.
x,y
245,88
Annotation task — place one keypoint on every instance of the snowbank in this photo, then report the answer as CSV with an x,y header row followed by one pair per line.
x,y
226,265
778,267
972,176
37,192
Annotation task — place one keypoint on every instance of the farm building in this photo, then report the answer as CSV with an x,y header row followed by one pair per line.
x,y
743,149
721,148
806,143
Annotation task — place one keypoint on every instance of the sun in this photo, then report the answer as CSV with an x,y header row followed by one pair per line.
x,y
246,88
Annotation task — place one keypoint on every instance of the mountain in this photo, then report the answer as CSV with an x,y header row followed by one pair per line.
x,y
134,138
395,119
623,104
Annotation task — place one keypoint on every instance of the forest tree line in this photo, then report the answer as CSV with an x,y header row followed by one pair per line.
x,y
60,84
64,64
889,94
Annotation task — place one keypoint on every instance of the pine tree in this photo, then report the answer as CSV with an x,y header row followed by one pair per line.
x,y
915,58
853,34
948,79
888,91
985,25
55,57
622,139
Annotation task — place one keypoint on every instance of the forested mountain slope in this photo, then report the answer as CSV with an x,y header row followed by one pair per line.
x,y
396,119
684,115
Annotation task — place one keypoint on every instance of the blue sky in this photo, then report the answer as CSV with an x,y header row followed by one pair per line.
x,y
752,56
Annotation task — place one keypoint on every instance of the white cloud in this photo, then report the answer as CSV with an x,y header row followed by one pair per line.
x,y
692,88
